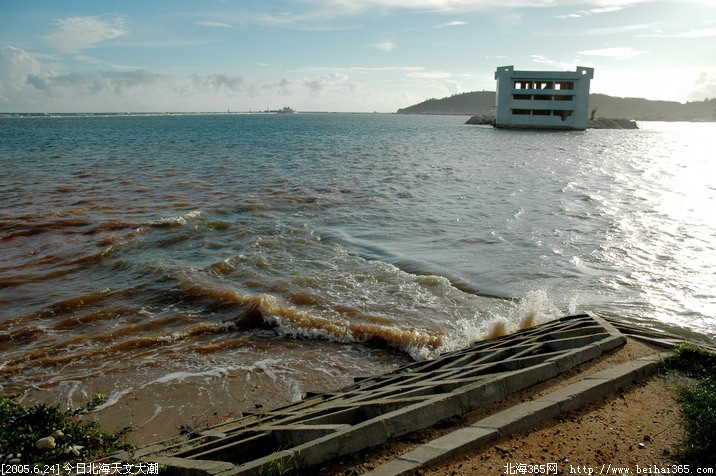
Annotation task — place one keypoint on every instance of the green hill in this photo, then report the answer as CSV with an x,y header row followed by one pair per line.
x,y
483,103
469,104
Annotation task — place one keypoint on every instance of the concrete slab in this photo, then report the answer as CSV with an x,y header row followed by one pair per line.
x,y
457,442
463,439
183,466
575,396
520,417
419,395
521,379
397,467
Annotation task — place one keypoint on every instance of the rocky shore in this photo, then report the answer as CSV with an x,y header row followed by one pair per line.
x,y
611,124
489,120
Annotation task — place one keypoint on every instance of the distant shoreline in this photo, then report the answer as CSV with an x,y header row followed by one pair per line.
x,y
637,109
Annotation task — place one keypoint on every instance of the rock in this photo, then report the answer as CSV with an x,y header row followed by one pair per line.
x,y
74,449
502,449
611,124
46,443
484,120
489,120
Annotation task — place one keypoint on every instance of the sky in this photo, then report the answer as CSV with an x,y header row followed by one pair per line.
x,y
338,55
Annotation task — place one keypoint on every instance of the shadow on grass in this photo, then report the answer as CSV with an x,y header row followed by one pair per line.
x,y
698,402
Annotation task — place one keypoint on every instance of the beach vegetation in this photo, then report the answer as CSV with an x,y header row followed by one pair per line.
x,y
279,464
43,434
698,402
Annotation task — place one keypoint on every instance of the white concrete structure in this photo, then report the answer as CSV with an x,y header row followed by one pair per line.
x,y
542,99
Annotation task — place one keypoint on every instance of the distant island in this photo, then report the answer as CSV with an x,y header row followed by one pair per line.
x,y
483,103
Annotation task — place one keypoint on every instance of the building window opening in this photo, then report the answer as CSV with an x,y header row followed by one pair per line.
x,y
542,97
521,112
522,97
523,84
564,85
564,98
563,114
541,112
546,85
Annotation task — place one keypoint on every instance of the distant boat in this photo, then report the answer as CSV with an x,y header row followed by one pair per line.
x,y
285,110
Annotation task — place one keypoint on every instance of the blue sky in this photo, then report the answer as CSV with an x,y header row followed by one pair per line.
x,y
338,55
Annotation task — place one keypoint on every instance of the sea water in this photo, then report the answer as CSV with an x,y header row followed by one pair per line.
x,y
192,267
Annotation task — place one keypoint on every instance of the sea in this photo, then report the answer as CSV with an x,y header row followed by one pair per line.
x,y
191,268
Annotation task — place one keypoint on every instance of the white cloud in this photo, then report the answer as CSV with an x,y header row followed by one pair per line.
x,y
429,75
451,23
453,86
703,33
118,83
326,82
704,87
510,20
358,6
216,83
553,64
213,24
605,9
358,69
610,30
615,30
675,83
384,46
332,8
26,85
282,87
591,11
78,33
541,59
700,33
15,66
618,53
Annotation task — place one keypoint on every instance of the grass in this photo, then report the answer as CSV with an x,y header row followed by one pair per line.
x,y
74,440
698,402
278,464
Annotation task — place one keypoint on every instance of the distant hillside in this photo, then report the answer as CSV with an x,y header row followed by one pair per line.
x,y
646,110
469,104
483,102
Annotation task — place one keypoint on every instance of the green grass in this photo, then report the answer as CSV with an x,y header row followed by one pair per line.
x,y
698,402
279,464
22,426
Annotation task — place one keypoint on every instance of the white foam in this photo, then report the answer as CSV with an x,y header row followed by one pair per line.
x,y
182,219
113,398
180,377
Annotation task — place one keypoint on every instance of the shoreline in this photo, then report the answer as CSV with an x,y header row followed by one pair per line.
x,y
398,431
